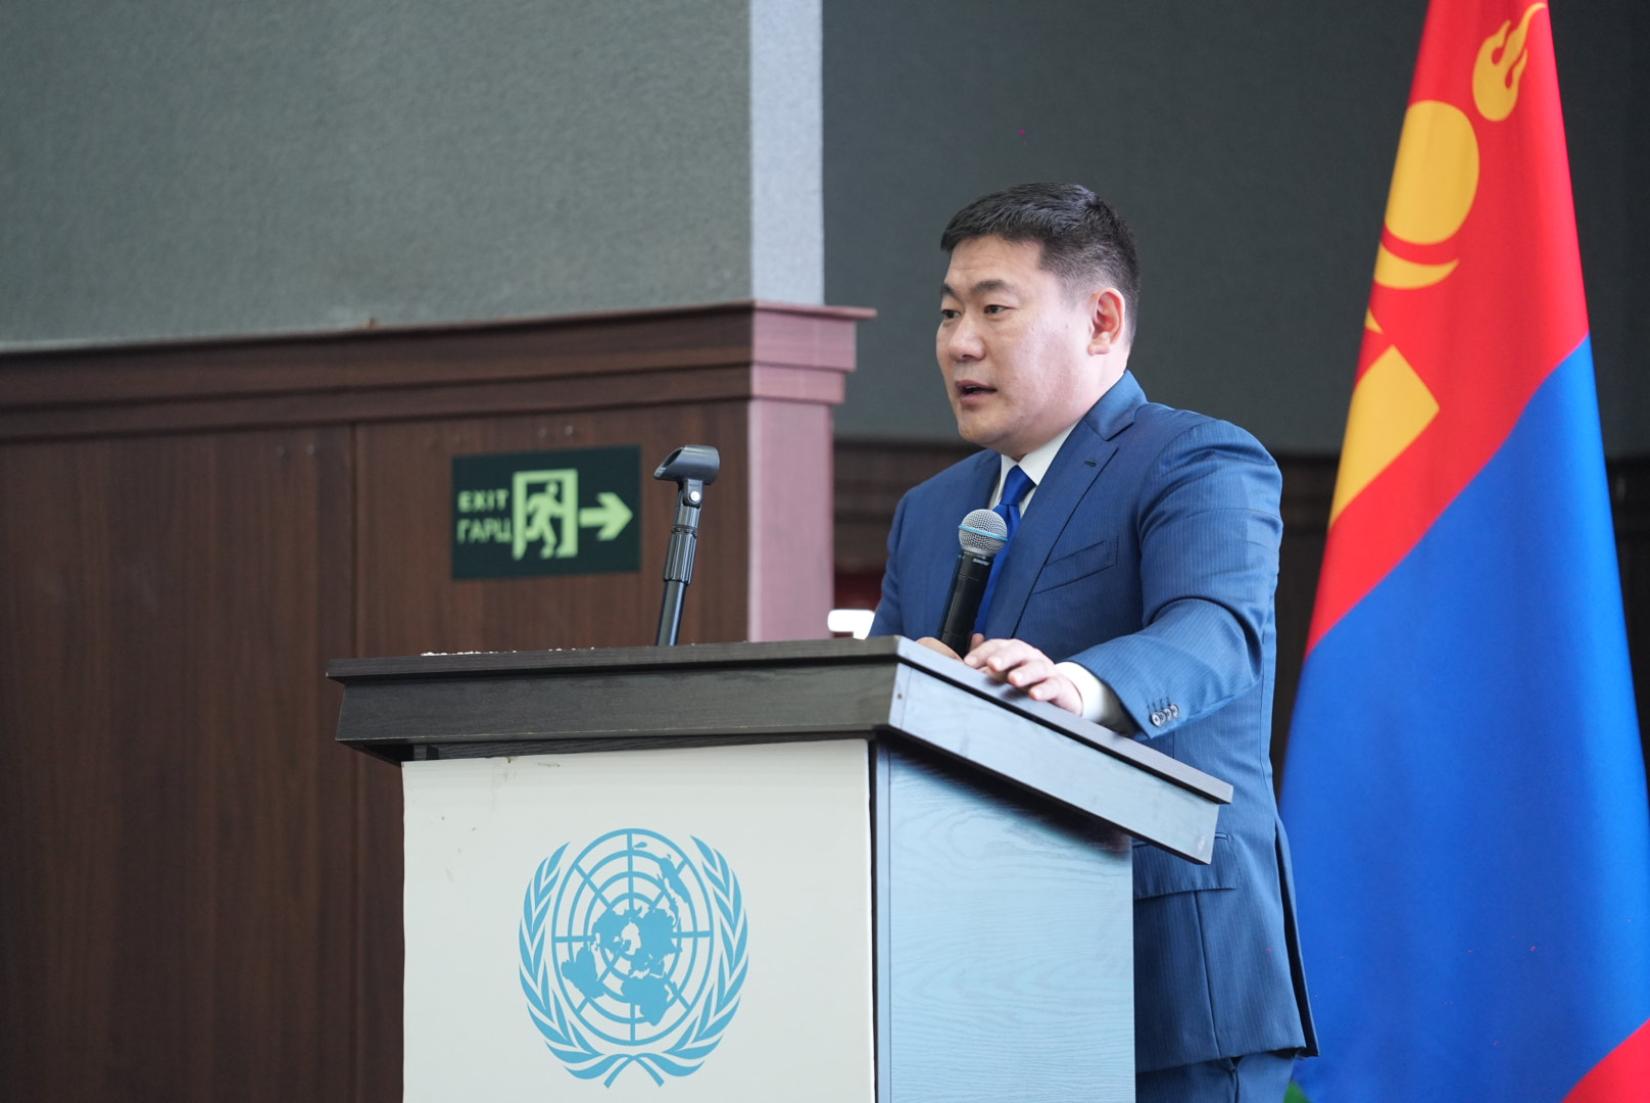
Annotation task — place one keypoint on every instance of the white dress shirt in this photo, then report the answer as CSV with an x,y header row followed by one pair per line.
x,y
1100,703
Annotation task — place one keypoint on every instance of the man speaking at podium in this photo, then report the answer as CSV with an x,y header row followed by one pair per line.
x,y
1135,590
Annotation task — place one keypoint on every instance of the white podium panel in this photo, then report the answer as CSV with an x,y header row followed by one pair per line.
x,y
674,925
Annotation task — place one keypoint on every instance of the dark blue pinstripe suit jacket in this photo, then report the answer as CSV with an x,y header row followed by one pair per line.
x,y
1150,556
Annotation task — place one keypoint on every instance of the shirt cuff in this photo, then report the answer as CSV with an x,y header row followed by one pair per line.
x,y
1100,704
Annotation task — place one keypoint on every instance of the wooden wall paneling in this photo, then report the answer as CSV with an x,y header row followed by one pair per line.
x,y
408,601
209,901
319,408
789,472
870,478
62,775
400,358
688,353
338,780
821,338
374,979
177,827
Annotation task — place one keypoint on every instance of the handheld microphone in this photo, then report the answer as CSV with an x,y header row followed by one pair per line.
x,y
982,535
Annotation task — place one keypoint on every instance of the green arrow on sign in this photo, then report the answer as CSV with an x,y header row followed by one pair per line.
x,y
566,512
612,515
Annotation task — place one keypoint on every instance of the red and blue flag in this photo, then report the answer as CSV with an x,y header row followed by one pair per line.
x,y
1465,789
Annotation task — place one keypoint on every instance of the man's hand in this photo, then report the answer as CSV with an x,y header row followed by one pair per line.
x,y
1025,668
935,645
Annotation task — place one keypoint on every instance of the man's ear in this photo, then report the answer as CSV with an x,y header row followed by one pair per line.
x,y
1108,321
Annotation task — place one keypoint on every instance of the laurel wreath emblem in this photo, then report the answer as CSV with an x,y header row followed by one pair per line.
x,y
704,1032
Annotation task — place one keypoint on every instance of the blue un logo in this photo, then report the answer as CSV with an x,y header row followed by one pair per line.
x,y
633,953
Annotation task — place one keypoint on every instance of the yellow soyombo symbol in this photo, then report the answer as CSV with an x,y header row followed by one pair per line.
x,y
1390,408
1433,186
1436,177
1500,66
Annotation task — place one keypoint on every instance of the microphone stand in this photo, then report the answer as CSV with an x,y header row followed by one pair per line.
x,y
684,537
693,467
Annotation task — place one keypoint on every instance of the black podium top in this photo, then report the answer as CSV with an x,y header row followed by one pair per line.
x,y
637,698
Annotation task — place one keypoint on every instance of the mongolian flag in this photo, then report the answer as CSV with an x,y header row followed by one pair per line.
x,y
1465,789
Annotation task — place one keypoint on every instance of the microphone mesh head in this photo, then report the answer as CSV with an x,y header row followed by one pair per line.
x,y
982,533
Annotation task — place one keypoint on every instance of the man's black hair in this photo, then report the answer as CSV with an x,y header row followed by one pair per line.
x,y
1081,235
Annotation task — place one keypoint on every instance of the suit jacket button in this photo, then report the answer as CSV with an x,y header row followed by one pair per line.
x,y
1174,712
1157,719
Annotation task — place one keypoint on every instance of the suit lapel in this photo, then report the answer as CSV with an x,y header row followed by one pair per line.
x,y
1079,463
971,492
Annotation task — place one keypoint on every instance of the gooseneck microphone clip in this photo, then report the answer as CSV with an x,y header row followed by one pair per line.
x,y
691,467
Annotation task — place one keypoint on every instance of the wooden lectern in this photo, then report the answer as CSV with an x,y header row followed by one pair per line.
x,y
835,870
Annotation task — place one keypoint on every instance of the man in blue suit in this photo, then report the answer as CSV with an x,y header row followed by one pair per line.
x,y
1136,590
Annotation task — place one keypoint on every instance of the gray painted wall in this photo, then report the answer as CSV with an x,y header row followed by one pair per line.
x,y
189,168
185,168
787,152
1249,145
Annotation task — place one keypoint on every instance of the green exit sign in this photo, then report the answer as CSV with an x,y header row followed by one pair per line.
x,y
523,514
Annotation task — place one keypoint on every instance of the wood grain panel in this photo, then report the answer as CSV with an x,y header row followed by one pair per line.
x,y
871,476
177,821
685,337
614,709
375,1008
617,391
685,354
209,901
408,601
1009,945
789,471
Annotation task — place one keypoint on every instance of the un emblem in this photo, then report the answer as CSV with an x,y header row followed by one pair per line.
x,y
633,954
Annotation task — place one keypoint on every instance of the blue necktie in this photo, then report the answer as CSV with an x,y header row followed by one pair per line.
x,y
1014,489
